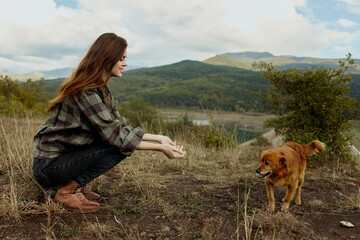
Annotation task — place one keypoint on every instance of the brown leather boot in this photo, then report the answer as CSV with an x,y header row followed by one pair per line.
x,y
89,195
73,199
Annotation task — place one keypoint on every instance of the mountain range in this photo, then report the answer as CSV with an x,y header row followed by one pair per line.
x,y
242,60
47,75
52,74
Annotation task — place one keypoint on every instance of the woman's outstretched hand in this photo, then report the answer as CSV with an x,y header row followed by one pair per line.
x,y
166,145
173,151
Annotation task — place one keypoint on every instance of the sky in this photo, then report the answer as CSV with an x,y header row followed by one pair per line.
x,y
41,35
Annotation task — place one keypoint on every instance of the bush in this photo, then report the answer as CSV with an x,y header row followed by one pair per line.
x,y
140,113
312,104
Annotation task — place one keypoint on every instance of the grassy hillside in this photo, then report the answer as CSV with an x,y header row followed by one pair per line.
x,y
246,59
229,61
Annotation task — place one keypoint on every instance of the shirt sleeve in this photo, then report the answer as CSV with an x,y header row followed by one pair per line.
x,y
112,129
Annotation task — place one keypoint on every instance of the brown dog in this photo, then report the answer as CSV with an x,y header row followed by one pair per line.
x,y
285,166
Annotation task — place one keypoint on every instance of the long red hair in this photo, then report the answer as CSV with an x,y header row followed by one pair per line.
x,y
94,70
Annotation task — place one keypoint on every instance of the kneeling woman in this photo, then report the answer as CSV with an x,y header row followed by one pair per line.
x,y
84,135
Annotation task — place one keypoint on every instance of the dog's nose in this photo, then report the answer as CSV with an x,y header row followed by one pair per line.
x,y
257,170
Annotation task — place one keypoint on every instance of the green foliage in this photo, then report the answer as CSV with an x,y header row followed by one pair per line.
x,y
19,99
192,84
140,113
312,104
355,90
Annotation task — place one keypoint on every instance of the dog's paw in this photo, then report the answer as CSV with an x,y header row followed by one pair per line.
x,y
271,208
298,201
285,207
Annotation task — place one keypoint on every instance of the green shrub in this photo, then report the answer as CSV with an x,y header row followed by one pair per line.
x,y
140,113
311,104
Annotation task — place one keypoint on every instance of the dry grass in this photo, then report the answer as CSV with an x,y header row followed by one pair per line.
x,y
16,153
351,202
143,182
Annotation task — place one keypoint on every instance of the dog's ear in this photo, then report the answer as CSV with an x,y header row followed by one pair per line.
x,y
283,162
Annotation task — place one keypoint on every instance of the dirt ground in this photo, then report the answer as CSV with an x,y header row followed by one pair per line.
x,y
197,209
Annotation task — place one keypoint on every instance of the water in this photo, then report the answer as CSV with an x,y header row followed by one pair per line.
x,y
241,134
201,121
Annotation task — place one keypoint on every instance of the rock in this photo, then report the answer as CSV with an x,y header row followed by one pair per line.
x,y
346,224
165,229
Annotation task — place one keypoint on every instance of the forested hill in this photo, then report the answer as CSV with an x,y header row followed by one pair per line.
x,y
193,84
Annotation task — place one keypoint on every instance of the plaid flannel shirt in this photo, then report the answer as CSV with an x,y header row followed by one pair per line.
x,y
79,120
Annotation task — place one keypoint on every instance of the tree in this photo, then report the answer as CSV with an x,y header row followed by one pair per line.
x,y
18,99
311,104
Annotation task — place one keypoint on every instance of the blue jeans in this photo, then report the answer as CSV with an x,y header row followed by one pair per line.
x,y
81,165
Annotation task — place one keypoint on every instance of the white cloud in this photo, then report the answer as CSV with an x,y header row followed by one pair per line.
x,y
158,31
65,35
27,12
353,6
346,22
25,64
296,36
299,3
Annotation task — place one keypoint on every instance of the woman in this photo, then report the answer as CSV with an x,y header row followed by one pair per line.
x,y
84,135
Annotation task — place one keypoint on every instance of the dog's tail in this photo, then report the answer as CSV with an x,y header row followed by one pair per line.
x,y
314,147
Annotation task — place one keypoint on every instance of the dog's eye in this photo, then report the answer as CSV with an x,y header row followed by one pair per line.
x,y
267,164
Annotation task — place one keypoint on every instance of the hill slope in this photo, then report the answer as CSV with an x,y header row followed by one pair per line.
x,y
246,59
192,84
